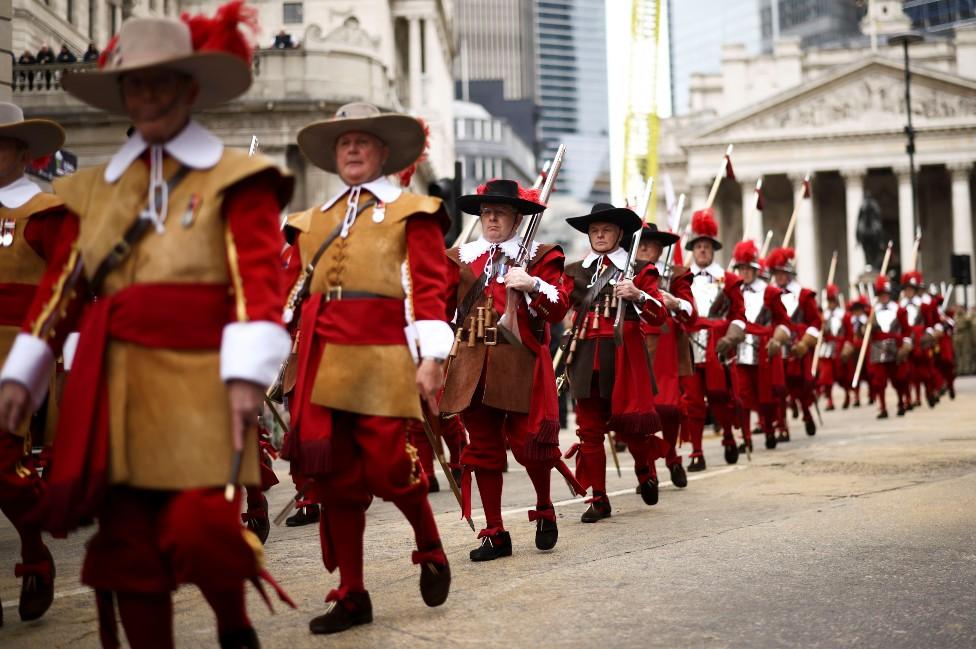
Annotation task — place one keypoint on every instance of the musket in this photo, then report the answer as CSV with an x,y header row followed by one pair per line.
x,y
235,463
867,329
766,242
631,271
804,194
823,322
508,323
723,171
435,444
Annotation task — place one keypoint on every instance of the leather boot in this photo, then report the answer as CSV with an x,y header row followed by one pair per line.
x,y
883,414
599,508
350,611
811,427
303,516
435,576
678,476
243,639
784,436
731,452
433,486
770,441
37,587
697,463
493,547
546,531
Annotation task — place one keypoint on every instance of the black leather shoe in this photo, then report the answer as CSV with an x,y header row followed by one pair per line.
x,y
303,516
731,454
37,587
745,446
932,399
697,464
352,610
493,547
883,414
433,486
648,491
598,510
783,436
243,639
546,531
256,520
901,411
678,476
811,427
770,441
435,582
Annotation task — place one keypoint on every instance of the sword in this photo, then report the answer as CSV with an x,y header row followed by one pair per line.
x,y
435,444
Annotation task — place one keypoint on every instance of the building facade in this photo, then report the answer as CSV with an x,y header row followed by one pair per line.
x,y
497,41
488,148
940,15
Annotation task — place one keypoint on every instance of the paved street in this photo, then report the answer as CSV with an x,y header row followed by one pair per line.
x,y
860,537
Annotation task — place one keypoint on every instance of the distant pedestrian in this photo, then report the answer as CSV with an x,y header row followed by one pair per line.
x,y
66,55
91,54
26,77
283,41
45,55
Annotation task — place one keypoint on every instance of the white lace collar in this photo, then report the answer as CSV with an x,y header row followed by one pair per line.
x,y
618,257
793,287
473,250
381,188
714,269
758,285
18,192
195,147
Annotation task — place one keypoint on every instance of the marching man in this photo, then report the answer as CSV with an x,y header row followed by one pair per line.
x,y
505,392
177,237
760,379
612,384
923,318
373,341
30,222
891,345
855,322
714,337
830,367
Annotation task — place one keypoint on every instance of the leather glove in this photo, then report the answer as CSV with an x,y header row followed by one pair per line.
x,y
804,345
903,352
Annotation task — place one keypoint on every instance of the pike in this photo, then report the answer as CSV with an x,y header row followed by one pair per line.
x,y
613,453
823,323
916,249
643,207
870,325
508,323
675,223
230,488
804,194
723,171
766,243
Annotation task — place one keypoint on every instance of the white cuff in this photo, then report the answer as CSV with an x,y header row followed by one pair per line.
x,y
813,331
930,331
68,351
547,289
738,323
908,341
685,305
436,338
253,351
29,363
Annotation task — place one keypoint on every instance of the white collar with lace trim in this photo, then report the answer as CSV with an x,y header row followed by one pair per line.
x,y
473,250
758,285
18,192
195,147
618,257
793,287
714,269
381,188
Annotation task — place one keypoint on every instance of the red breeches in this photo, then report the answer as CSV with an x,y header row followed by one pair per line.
x,y
721,404
20,493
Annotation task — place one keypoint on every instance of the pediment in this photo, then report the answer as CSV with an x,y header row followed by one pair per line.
x,y
867,96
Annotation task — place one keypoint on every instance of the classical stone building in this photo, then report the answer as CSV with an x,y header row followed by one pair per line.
x,y
397,54
838,115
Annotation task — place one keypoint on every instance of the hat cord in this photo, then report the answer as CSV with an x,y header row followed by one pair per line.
x,y
490,264
158,205
352,209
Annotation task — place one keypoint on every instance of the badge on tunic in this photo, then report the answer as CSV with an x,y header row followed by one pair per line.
x,y
7,229
379,212
191,211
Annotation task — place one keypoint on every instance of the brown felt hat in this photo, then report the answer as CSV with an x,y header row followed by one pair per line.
x,y
41,136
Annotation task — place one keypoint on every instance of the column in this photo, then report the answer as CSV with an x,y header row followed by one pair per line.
x,y
854,186
805,238
906,226
697,195
962,221
752,225
416,93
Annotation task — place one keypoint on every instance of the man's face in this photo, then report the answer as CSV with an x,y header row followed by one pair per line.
x,y
649,250
884,298
360,157
747,273
909,291
832,303
13,159
498,221
704,252
604,237
782,278
158,102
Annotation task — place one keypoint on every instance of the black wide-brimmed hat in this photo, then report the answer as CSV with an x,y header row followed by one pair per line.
x,y
502,192
626,218
651,233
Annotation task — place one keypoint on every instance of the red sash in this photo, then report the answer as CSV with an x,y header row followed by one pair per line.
x,y
15,301
167,316
716,379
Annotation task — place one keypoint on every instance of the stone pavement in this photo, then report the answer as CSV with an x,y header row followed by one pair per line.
x,y
859,537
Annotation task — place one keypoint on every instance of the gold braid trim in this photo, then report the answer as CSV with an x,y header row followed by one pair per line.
x,y
55,309
415,468
233,264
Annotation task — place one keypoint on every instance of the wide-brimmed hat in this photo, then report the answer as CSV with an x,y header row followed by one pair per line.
x,y
650,232
503,192
405,136
42,137
626,218
212,51
703,226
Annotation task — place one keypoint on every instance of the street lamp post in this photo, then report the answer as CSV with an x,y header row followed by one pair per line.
x,y
905,39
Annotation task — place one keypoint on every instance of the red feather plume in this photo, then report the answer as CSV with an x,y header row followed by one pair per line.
x,y
882,284
530,194
222,33
703,223
832,291
911,277
406,175
780,257
745,252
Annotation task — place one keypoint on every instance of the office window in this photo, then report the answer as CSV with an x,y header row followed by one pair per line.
x,y
292,12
